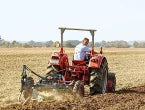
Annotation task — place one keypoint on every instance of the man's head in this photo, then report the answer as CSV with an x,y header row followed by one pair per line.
x,y
85,41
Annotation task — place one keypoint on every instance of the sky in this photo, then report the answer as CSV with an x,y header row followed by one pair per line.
x,y
38,20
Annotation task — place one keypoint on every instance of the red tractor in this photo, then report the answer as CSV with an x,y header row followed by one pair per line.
x,y
80,73
93,72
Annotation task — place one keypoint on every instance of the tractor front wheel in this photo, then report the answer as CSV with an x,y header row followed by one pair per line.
x,y
78,88
52,69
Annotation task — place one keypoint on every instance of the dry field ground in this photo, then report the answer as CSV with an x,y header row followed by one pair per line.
x,y
128,64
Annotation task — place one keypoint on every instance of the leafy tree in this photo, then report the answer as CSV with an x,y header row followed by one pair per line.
x,y
6,44
136,44
49,43
26,45
69,44
32,43
16,44
103,43
0,41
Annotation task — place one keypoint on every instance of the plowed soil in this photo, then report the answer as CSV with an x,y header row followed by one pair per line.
x,y
127,64
126,99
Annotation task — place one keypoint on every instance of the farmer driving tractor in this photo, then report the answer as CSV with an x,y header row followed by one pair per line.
x,y
81,49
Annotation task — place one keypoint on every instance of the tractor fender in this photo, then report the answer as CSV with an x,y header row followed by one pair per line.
x,y
96,60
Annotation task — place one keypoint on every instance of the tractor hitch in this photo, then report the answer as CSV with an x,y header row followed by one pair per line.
x,y
30,89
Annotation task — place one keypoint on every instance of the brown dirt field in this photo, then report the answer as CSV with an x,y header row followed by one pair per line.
x,y
128,64
125,99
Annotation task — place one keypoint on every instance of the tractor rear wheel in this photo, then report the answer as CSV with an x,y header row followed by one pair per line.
x,y
78,88
111,82
52,69
98,79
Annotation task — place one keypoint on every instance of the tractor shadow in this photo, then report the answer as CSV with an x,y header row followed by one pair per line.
x,y
137,90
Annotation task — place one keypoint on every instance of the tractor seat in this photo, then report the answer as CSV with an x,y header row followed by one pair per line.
x,y
79,62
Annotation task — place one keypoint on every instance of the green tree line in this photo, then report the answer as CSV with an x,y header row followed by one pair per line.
x,y
71,44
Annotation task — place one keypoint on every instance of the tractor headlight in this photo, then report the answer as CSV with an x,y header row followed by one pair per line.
x,y
94,60
54,61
